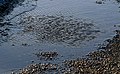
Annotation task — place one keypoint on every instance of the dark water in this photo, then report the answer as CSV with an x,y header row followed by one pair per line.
x,y
6,6
17,51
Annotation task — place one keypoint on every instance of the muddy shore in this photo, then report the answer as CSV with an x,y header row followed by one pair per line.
x,y
104,60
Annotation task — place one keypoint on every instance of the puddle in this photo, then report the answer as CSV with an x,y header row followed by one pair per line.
x,y
24,40
59,29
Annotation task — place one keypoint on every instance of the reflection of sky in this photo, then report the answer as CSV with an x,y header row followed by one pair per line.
x,y
11,58
104,15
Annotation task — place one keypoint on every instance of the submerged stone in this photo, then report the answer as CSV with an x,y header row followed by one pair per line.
x,y
60,29
47,55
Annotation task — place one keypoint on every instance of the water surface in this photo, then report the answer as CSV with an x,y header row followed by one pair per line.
x,y
15,55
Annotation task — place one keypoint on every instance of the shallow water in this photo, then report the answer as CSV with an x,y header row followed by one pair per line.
x,y
18,51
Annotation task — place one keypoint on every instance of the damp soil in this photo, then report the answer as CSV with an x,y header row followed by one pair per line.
x,y
47,36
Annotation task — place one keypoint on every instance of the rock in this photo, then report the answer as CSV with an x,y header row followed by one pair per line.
x,y
39,68
4,34
47,55
99,2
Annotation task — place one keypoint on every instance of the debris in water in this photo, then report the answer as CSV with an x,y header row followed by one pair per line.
x,y
103,61
47,55
99,2
61,29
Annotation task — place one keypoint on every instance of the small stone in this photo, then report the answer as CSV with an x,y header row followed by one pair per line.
x,y
4,34
13,44
99,2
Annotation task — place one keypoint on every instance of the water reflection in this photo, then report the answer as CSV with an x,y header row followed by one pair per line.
x,y
8,6
118,1
61,29
5,16
4,31
79,8
104,1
